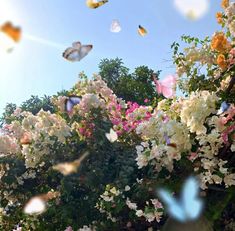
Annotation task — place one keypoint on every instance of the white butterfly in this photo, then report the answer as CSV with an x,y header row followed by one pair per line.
x,y
115,26
192,9
36,205
111,136
189,206
77,51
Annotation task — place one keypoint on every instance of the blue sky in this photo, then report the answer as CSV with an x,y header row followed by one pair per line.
x,y
37,69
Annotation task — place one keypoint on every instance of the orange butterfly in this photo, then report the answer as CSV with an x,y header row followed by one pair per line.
x,y
142,31
12,32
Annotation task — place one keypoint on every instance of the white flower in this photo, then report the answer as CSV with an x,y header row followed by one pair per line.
x,y
139,213
229,180
131,205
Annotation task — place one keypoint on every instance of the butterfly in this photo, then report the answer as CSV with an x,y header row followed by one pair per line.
x,y
9,36
165,86
168,142
111,136
142,31
115,26
68,168
192,9
224,107
94,4
189,206
70,102
37,204
77,51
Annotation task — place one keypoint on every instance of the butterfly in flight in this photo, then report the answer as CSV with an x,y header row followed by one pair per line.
x,y
188,207
142,31
111,136
70,102
223,108
115,26
95,4
192,9
166,86
37,204
77,51
68,168
168,142
9,36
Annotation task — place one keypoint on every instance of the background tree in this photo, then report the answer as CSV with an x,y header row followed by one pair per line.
x,y
136,86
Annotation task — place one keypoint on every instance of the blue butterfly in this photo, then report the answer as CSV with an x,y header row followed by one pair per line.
x,y
168,141
188,207
71,102
224,107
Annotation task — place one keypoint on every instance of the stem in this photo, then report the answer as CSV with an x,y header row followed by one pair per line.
x,y
231,83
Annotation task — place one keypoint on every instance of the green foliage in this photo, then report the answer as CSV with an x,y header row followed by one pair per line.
x,y
135,87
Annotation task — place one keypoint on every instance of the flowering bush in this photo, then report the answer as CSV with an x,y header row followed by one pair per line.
x,y
114,187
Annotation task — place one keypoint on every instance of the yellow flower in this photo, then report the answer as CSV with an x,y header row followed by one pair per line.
x,y
220,43
221,61
225,3
219,17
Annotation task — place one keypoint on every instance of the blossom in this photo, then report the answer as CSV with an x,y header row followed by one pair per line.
x,y
220,43
196,109
229,180
225,3
221,61
219,17
69,228
131,205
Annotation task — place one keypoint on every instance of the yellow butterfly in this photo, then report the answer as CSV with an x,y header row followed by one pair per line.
x,y
142,31
94,4
68,168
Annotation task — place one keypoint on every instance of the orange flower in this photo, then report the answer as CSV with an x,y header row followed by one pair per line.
x,y
221,61
219,17
220,43
225,3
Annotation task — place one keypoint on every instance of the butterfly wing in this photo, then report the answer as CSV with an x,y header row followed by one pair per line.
x,y
94,4
77,45
13,32
71,102
224,107
168,85
115,26
158,85
192,204
75,100
85,49
174,208
71,54
142,31
111,136
167,139
35,206
167,91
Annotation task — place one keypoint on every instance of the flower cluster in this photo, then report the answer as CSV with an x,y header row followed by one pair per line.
x,y
113,198
152,211
34,135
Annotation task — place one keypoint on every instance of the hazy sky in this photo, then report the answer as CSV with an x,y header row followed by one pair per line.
x,y
34,68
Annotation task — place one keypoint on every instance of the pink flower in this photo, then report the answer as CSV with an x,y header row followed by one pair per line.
x,y
193,156
69,229
227,131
